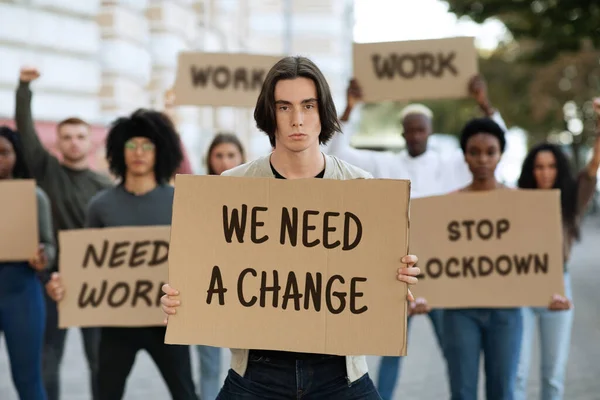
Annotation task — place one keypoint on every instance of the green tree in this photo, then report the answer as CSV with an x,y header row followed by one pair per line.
x,y
552,26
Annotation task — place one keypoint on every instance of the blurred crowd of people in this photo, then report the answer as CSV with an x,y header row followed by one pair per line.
x,y
296,111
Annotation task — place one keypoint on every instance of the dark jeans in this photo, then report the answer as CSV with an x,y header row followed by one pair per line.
x,y
315,379
390,366
118,348
22,321
54,348
495,331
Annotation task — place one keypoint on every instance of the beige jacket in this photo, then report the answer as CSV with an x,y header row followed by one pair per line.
x,y
356,366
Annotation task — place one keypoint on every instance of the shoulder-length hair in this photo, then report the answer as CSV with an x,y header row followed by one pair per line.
x,y
219,139
155,126
20,169
565,181
292,68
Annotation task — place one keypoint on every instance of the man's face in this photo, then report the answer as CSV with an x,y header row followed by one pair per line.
x,y
297,115
140,156
417,128
74,142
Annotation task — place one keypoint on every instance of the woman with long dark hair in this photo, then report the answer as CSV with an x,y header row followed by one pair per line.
x,y
547,167
22,308
495,332
224,153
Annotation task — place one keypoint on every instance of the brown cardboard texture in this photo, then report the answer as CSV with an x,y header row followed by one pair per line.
x,y
221,79
19,228
113,276
501,248
416,69
342,239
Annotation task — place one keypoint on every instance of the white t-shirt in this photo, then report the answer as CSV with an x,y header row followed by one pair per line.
x,y
430,174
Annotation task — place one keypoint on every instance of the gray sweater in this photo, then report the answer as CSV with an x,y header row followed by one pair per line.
x,y
116,207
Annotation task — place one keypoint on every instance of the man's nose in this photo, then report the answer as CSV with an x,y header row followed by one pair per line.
x,y
297,118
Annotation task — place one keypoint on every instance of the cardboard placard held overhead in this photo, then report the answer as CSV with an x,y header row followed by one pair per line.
x,y
19,228
303,265
416,69
501,248
221,79
113,276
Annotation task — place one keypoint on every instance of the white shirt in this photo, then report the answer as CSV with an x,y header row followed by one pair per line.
x,y
430,174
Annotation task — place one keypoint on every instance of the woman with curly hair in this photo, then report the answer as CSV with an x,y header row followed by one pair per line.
x,y
22,308
547,167
144,151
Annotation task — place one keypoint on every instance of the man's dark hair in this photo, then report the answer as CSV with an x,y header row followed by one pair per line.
x,y
565,181
72,121
150,124
292,68
482,125
20,169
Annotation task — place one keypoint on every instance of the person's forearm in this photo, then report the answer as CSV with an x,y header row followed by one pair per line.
x,y
487,108
35,153
46,228
346,115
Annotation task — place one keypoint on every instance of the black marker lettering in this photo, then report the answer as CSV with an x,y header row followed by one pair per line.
x,y
216,286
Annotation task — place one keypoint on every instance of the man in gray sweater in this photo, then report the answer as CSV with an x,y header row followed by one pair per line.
x,y
70,184
144,151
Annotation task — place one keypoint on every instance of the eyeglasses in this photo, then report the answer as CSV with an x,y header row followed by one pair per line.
x,y
146,147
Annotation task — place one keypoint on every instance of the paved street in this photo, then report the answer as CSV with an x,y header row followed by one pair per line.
x,y
423,375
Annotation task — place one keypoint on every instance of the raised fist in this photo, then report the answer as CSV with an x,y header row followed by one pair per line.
x,y
29,74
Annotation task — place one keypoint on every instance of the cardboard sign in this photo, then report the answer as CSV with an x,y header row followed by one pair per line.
x,y
221,79
303,265
113,276
415,70
19,228
501,248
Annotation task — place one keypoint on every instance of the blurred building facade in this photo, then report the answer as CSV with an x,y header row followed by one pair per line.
x,y
100,59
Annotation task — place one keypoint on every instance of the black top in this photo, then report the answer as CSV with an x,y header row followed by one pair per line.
x,y
288,355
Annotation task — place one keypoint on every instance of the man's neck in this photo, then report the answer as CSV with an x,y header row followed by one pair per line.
x,y
417,154
140,185
76,165
297,165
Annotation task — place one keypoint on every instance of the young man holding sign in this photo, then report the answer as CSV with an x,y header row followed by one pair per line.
x,y
144,151
296,110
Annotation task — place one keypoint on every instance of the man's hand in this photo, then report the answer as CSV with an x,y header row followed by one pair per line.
x,y
55,288
169,301
169,98
478,90
29,74
353,93
353,97
40,260
597,106
409,273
